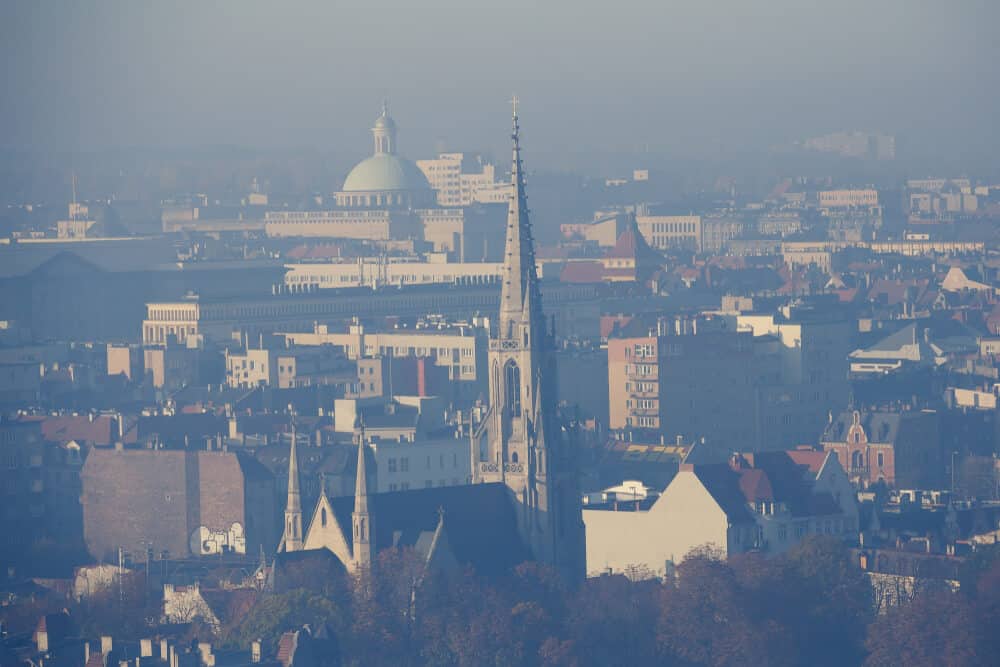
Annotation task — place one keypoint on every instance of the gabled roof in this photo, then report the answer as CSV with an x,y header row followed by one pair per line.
x,y
784,477
722,483
907,344
99,430
481,524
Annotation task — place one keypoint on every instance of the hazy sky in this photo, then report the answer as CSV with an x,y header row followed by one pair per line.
x,y
671,75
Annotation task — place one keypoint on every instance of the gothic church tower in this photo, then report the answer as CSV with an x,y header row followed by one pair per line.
x,y
291,540
520,442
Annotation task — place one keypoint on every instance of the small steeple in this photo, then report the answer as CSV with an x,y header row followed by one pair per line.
x,y
292,539
361,518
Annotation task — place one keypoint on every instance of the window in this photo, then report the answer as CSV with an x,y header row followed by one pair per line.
x,y
512,388
856,461
404,464
881,459
322,516
392,465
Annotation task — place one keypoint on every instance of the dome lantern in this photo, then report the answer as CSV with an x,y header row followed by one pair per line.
x,y
384,132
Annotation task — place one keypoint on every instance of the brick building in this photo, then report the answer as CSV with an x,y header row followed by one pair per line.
x,y
900,448
187,503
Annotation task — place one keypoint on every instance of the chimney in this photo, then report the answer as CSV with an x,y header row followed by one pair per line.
x,y
106,645
255,651
164,651
146,648
86,652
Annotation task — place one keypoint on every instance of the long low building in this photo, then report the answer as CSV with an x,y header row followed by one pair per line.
x,y
377,272
576,308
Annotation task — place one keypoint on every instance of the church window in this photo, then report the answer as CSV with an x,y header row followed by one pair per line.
x,y
513,457
856,460
881,459
512,388
322,517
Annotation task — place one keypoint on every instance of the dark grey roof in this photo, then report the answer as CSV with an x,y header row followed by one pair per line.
x,y
880,427
723,484
479,520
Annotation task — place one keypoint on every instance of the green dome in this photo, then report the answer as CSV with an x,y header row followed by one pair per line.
x,y
385,172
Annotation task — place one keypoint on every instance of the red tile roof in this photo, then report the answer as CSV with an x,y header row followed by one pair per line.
x,y
325,251
582,272
101,431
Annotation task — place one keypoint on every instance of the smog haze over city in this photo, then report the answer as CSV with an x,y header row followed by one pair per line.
x,y
524,333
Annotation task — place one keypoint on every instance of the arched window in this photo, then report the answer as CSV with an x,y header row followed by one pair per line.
x,y
512,388
856,460
513,457
322,517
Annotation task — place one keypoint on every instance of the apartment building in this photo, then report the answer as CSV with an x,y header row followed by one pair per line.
x,y
461,349
765,381
666,232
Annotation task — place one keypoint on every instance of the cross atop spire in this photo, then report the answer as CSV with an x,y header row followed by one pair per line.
x,y
520,300
385,106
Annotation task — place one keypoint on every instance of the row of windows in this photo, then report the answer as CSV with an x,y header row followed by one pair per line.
x,y
674,227
171,314
403,463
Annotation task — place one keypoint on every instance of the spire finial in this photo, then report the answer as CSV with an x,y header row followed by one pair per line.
x,y
385,106
517,130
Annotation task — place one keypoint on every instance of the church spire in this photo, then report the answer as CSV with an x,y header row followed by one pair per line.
x,y
520,300
292,539
361,518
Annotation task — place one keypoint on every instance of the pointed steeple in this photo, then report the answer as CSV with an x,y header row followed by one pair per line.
x,y
361,519
292,539
361,481
520,299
